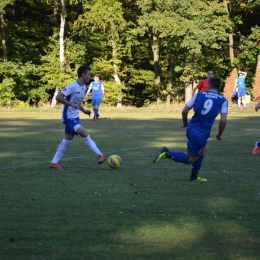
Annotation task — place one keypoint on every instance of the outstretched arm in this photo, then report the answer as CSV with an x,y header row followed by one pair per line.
x,y
85,111
185,112
243,72
87,93
103,93
222,125
193,91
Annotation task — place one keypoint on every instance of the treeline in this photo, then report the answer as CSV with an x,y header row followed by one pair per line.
x,y
145,50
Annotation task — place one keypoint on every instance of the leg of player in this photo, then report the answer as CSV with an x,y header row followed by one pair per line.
x,y
96,112
175,156
257,148
91,144
94,108
59,153
195,167
244,101
238,102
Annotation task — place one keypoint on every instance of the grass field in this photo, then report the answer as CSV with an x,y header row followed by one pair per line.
x,y
139,211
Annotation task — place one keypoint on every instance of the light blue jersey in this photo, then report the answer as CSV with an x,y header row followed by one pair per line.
x,y
207,105
97,88
241,86
241,82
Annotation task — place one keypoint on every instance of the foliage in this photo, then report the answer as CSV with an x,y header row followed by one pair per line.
x,y
192,38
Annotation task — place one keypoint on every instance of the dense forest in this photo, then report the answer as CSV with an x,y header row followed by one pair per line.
x,y
146,51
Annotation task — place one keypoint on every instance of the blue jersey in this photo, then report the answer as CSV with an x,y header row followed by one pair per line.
x,y
97,89
241,82
207,105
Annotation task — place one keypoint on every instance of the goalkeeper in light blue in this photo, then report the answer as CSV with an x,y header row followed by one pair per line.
x,y
207,106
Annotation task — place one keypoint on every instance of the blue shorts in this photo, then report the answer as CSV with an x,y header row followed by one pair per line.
x,y
197,141
69,125
241,92
96,102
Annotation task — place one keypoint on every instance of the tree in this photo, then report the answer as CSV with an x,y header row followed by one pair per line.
x,y
3,4
106,16
198,26
62,28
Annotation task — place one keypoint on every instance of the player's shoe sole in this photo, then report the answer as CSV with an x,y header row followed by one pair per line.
x,y
256,149
161,155
101,159
56,166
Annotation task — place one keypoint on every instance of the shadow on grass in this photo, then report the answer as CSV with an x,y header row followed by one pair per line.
x,y
139,211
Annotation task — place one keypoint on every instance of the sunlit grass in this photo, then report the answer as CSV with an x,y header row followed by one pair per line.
x,y
139,211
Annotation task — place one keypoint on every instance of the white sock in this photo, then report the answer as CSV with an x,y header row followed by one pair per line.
x,y
61,150
91,144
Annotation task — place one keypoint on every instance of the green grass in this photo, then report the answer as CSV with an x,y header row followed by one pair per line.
x,y
139,211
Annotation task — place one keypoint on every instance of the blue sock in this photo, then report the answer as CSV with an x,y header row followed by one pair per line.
x,y
195,167
258,143
95,112
179,157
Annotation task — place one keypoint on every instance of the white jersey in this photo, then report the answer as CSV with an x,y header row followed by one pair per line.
x,y
74,93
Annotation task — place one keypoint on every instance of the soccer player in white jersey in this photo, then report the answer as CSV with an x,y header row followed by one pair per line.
x,y
72,96
207,106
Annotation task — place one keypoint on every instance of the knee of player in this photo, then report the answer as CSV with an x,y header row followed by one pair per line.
x,y
191,160
84,133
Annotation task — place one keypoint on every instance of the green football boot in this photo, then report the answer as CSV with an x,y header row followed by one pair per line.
x,y
163,154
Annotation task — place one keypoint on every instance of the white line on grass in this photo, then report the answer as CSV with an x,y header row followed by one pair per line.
x,y
114,151
77,157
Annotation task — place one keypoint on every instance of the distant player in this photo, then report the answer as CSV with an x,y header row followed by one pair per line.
x,y
206,105
240,86
72,96
257,144
98,92
203,84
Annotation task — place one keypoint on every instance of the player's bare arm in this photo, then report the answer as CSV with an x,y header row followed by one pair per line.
x,y
185,112
85,111
61,99
222,125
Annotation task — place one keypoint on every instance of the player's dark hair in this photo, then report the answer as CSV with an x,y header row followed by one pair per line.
x,y
83,69
214,83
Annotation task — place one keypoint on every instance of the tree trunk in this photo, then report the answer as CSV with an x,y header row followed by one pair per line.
x,y
156,59
231,79
116,77
230,84
62,28
3,36
169,89
256,84
188,92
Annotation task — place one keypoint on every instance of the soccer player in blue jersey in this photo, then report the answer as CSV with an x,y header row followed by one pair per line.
x,y
72,96
240,85
98,92
206,105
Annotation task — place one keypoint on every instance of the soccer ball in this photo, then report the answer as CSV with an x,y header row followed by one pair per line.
x,y
114,161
